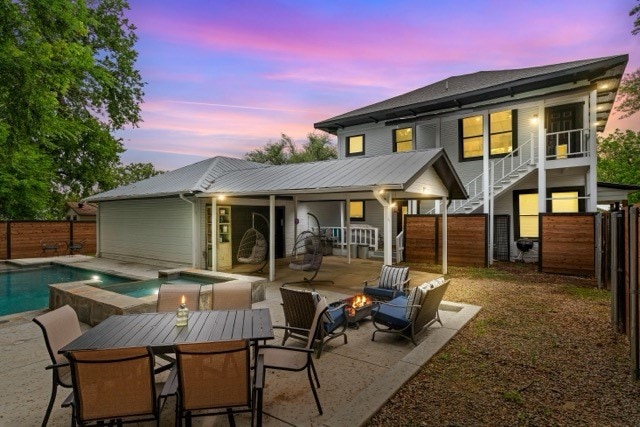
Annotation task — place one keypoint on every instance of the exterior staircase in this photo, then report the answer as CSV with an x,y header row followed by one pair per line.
x,y
504,173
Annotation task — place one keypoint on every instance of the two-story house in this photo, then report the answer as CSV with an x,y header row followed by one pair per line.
x,y
523,141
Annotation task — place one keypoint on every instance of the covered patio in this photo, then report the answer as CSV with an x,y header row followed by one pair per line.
x,y
356,378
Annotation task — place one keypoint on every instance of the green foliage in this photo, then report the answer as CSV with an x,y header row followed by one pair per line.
x,y
629,90
68,80
619,159
134,172
318,147
591,294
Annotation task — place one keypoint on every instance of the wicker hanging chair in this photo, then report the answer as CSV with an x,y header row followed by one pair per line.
x,y
307,254
254,247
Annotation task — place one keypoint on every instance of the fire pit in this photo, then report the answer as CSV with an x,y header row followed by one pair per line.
x,y
358,307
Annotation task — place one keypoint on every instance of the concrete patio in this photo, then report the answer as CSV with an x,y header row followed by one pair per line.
x,y
356,378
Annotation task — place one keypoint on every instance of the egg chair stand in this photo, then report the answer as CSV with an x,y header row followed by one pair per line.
x,y
254,246
307,255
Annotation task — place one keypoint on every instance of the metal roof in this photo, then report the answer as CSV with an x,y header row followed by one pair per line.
x,y
193,178
229,176
394,171
458,91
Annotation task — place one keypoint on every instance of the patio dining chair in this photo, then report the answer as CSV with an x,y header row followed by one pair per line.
x,y
299,308
170,296
115,385
233,295
297,359
59,327
389,284
214,378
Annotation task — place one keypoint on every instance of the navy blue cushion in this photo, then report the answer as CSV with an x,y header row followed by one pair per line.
x,y
393,313
379,292
338,319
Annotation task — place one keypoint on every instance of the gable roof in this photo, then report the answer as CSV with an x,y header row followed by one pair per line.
x,y
84,209
193,178
398,171
457,91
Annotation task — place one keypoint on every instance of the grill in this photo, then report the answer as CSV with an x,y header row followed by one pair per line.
x,y
524,246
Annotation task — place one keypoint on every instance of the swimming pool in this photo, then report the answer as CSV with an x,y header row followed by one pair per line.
x,y
150,287
24,289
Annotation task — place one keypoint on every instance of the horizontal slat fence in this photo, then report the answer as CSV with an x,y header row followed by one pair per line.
x,y
466,236
567,243
24,239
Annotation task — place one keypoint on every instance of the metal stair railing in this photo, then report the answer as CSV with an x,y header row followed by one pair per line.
x,y
508,167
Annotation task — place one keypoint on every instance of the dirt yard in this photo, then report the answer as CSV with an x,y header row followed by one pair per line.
x,y
541,352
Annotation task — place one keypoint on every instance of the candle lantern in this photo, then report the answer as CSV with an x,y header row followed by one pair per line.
x,y
182,316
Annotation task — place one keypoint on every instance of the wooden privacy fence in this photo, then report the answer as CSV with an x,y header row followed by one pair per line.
x,y
466,235
25,239
567,243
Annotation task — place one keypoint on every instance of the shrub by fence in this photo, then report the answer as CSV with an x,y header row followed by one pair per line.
x,y
24,239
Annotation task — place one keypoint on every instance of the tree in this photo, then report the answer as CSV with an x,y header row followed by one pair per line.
x,y
318,147
134,172
629,90
68,81
619,159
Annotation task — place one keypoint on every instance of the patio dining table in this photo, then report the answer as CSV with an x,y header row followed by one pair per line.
x,y
159,330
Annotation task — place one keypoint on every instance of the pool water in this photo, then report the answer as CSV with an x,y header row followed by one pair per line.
x,y
25,289
150,287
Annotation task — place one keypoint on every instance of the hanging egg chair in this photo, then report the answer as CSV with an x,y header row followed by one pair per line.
x,y
307,254
254,247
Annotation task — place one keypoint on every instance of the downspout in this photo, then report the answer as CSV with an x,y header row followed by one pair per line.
x,y
386,206
194,246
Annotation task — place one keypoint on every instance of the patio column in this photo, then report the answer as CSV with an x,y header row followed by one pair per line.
x,y
445,233
592,179
347,236
272,238
214,233
385,201
485,162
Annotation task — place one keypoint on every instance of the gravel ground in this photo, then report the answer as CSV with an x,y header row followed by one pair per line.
x,y
540,352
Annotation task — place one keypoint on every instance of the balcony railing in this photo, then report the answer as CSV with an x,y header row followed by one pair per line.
x,y
568,144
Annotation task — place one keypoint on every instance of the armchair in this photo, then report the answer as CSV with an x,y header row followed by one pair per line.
x,y
389,284
409,315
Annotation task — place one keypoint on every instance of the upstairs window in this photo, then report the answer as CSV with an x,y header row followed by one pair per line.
x,y
356,210
355,145
402,139
502,133
501,126
471,137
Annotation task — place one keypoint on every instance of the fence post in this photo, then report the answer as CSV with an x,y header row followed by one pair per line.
x,y
8,239
633,292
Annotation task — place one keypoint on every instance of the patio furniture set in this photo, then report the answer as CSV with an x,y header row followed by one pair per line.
x,y
71,247
218,362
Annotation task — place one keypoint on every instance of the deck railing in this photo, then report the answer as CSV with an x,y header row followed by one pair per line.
x,y
361,234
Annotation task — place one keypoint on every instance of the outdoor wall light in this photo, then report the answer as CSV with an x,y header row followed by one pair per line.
x,y
534,119
221,197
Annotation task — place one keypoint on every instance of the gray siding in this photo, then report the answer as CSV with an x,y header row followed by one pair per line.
x,y
147,230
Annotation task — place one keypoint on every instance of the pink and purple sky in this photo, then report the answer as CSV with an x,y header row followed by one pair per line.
x,y
226,77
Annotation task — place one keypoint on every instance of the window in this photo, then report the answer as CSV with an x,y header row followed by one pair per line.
x,y
471,132
528,215
502,133
526,208
565,201
402,139
355,145
356,210
501,127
